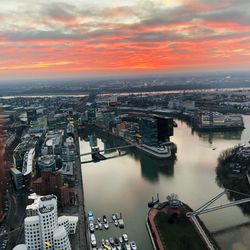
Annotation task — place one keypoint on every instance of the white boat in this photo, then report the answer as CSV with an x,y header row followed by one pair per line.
x,y
125,237
120,239
91,227
100,225
93,240
133,245
96,226
106,225
111,241
121,223
90,216
114,217
104,218
116,223
118,247
128,247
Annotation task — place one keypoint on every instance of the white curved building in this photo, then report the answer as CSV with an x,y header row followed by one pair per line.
x,y
47,213
64,221
33,237
61,239
20,247
28,164
43,229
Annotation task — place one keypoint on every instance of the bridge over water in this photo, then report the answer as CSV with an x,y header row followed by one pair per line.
x,y
114,148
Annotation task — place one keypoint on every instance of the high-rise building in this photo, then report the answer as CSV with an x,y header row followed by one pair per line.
x,y
31,115
43,229
155,130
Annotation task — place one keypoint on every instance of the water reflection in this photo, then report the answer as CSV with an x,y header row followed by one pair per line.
x,y
212,136
150,168
225,135
127,183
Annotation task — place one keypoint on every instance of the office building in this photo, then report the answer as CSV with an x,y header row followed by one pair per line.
x,y
52,183
17,178
43,229
155,130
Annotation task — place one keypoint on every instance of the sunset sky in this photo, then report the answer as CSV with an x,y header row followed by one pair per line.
x,y
50,38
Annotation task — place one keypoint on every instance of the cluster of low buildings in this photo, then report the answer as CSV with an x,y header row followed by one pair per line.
x,y
47,158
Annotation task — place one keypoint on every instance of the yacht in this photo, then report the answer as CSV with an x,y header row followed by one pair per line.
x,y
133,245
93,240
111,241
104,218
125,237
116,223
90,216
114,217
100,225
106,225
128,247
91,227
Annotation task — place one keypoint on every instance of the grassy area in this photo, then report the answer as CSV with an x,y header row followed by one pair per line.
x,y
177,233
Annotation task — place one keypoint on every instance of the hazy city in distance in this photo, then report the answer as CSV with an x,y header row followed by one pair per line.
x,y
124,125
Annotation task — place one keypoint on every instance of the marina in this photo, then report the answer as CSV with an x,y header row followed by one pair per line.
x,y
127,183
96,225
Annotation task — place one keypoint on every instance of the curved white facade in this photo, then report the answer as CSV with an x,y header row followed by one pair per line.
x,y
43,229
33,237
47,212
20,247
61,239
64,221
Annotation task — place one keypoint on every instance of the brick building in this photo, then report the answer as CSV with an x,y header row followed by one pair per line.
x,y
52,183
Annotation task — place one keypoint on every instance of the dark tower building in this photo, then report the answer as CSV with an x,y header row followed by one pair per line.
x,y
156,130
164,128
31,115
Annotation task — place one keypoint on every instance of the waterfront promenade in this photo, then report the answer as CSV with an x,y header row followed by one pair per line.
x,y
82,240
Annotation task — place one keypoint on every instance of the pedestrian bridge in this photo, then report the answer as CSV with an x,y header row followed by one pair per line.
x,y
114,148
206,209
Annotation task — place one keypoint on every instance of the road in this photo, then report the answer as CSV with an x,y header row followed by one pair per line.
x,y
82,242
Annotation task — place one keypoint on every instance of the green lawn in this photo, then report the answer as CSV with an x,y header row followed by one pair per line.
x,y
178,234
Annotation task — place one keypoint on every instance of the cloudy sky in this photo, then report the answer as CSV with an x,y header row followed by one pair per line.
x,y
105,37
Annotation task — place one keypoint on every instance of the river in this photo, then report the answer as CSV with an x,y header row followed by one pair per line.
x,y
125,184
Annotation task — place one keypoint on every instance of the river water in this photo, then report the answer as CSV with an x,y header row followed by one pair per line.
x,y
125,184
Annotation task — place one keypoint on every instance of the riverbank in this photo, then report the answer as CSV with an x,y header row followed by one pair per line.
x,y
81,240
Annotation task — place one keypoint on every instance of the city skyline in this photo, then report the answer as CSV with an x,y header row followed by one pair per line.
x,y
91,38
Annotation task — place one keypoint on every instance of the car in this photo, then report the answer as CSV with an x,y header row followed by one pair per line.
x,y
133,245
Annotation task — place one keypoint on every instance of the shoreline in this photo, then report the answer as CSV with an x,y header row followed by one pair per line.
x,y
82,238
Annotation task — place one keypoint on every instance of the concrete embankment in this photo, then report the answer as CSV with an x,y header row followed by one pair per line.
x,y
82,241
